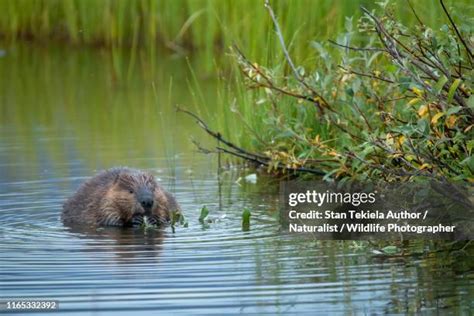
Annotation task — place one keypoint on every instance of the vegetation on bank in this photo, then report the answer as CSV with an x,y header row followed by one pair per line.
x,y
394,102
205,26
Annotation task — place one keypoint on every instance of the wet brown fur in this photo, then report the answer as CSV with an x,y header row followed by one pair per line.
x,y
108,199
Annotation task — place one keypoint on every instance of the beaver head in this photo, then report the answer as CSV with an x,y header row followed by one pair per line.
x,y
134,196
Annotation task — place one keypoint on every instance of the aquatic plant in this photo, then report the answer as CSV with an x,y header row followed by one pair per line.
x,y
204,214
146,224
178,218
246,219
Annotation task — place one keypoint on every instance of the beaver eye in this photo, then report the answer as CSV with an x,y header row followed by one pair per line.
x,y
131,191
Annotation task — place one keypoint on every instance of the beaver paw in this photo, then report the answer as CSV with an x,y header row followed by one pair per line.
x,y
140,220
137,220
157,220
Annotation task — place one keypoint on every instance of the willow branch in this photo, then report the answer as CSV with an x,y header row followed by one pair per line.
x,y
456,29
289,60
267,163
369,49
240,152
217,135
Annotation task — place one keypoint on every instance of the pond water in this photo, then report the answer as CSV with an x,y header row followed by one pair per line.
x,y
66,113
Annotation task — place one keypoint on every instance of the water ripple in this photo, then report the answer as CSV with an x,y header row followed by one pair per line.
x,y
211,268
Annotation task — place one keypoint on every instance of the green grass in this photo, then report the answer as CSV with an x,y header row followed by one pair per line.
x,y
208,26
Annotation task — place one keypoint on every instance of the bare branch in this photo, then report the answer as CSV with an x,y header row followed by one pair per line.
x,y
366,75
456,30
240,152
369,49
415,14
217,135
290,61
267,163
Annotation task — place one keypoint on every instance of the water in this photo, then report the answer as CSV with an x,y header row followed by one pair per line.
x,y
66,113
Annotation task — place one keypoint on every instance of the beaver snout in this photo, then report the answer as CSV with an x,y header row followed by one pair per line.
x,y
145,198
147,203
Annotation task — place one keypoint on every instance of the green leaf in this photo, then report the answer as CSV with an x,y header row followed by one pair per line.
x,y
356,85
204,213
470,102
424,127
468,162
453,110
390,250
146,224
452,89
440,84
373,58
391,68
348,24
470,145
246,219
436,118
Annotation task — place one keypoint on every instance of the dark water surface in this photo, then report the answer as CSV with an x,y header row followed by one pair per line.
x,y
65,114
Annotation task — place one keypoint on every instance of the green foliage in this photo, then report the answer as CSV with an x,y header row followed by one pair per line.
x,y
394,102
180,25
390,250
204,213
177,218
146,224
246,219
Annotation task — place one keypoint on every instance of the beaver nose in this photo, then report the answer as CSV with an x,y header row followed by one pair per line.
x,y
147,203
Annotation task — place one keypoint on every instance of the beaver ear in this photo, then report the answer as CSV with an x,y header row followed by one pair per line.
x,y
116,179
150,179
122,177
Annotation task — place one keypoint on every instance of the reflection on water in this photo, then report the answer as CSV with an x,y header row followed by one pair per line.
x,y
66,113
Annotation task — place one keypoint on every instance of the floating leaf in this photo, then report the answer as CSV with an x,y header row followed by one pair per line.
x,y
390,250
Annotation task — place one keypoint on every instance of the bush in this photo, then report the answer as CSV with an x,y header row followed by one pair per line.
x,y
392,102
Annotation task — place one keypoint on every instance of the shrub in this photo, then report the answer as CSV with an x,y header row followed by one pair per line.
x,y
392,102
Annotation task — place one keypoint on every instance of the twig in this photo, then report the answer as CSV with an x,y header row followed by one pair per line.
x,y
366,75
370,49
290,61
267,163
217,135
269,83
416,15
240,152
456,30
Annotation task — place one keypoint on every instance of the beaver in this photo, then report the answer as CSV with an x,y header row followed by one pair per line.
x,y
120,197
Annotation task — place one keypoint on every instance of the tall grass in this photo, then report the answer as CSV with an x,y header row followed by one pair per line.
x,y
185,25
